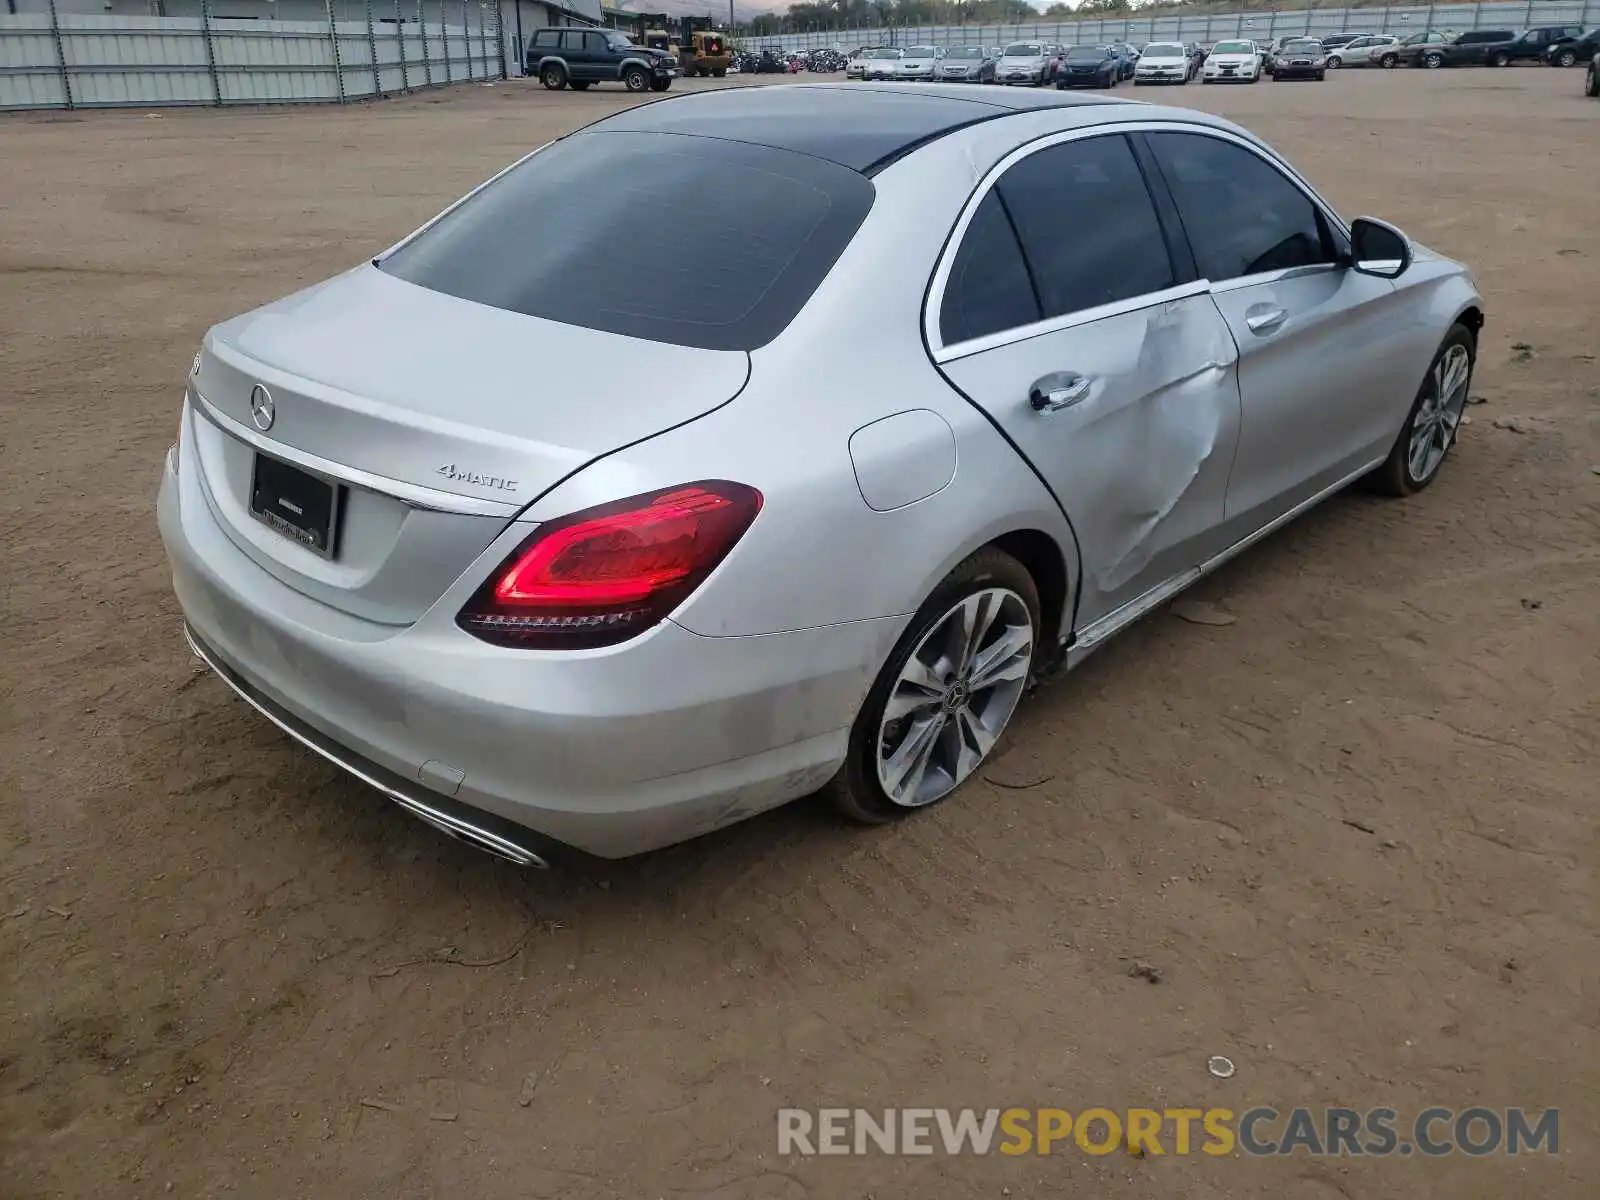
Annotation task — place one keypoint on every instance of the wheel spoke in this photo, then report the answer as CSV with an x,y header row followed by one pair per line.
x,y
972,744
903,772
920,675
1420,443
1005,661
910,697
973,728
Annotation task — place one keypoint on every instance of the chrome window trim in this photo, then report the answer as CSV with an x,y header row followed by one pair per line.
x,y
941,277
412,494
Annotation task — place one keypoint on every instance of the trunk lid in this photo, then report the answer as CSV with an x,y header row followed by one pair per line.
x,y
438,418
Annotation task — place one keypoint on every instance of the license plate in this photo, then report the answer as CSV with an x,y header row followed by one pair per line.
x,y
302,507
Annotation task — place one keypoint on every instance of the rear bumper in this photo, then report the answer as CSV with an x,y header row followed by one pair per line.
x,y
614,751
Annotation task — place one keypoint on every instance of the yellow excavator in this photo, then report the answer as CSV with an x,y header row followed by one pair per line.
x,y
698,51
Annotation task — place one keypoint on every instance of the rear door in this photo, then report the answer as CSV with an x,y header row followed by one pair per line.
x,y
1321,353
1066,316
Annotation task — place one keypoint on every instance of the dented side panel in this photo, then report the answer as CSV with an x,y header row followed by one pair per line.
x,y
1141,462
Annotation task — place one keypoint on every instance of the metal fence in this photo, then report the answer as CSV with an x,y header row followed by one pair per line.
x,y
69,60
1208,27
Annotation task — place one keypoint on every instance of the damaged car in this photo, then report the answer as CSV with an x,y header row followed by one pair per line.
x,y
406,527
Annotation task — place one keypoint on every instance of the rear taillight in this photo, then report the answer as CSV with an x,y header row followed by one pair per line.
x,y
603,575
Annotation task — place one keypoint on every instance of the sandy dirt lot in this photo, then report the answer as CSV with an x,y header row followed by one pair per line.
x,y
1355,830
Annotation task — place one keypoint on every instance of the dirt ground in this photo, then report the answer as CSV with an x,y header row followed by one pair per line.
x,y
1355,830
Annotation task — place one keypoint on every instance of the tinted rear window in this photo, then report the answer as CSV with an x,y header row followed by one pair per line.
x,y
694,241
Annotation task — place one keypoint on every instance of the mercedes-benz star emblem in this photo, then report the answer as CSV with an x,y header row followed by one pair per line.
x,y
262,410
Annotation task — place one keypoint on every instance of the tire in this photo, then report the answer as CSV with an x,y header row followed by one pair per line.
x,y
553,76
1407,471
1591,84
660,85
1321,75
636,79
1433,61
988,582
1334,62
1389,62
1566,58
1500,59
578,86
720,72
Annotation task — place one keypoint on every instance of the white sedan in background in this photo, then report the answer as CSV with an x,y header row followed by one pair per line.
x,y
1163,62
1237,61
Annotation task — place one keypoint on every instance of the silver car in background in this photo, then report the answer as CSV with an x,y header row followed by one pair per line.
x,y
1024,63
918,62
966,64
1360,52
554,546
882,63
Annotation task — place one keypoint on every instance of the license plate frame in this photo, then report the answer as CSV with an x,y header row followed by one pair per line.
x,y
297,504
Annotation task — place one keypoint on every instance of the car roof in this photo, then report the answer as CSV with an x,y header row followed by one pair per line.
x,y
863,126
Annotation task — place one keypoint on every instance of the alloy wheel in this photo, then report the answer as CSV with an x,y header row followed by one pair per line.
x,y
1438,417
954,697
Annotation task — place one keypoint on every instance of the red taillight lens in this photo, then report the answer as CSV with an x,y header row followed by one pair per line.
x,y
601,576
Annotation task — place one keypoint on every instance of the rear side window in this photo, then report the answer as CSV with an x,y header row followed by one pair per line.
x,y
1087,225
547,39
593,231
1242,215
988,289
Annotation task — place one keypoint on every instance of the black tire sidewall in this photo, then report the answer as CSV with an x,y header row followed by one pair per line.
x,y
633,73
553,77
858,776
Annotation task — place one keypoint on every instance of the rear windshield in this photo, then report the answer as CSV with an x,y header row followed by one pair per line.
x,y
1233,48
1165,50
1024,50
1087,54
921,52
1302,45
694,241
966,52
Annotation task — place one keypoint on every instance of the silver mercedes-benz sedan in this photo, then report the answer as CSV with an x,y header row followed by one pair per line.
x,y
555,544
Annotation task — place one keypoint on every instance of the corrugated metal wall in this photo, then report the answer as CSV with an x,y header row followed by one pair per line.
x,y
72,60
1208,27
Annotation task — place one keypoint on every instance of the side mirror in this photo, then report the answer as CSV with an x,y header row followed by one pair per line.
x,y
1378,248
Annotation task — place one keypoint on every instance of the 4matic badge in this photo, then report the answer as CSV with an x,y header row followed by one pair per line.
x,y
499,483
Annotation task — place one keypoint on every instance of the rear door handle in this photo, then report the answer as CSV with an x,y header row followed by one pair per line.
x,y
1263,319
1060,390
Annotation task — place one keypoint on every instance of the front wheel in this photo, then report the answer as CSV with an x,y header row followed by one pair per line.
x,y
1566,58
1591,83
1431,426
578,86
946,694
636,79
1433,61
1335,62
719,72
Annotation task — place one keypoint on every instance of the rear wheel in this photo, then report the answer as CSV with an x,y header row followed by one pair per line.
x,y
636,79
578,85
719,72
1500,59
1389,61
1430,429
553,77
1591,83
947,693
